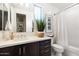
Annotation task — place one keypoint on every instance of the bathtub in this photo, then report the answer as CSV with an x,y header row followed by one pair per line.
x,y
71,51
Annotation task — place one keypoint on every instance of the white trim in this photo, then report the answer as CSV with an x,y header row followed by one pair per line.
x,y
70,6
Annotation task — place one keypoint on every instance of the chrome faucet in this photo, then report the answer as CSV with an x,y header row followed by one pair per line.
x,y
12,35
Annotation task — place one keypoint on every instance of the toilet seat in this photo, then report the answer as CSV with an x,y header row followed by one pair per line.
x,y
58,48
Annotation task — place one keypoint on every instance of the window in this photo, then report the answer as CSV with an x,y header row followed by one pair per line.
x,y
38,13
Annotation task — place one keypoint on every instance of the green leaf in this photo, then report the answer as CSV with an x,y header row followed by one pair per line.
x,y
40,24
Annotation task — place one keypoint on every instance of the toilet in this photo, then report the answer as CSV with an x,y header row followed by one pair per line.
x,y
58,49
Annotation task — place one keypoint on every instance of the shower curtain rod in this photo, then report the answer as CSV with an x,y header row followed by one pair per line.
x,y
66,8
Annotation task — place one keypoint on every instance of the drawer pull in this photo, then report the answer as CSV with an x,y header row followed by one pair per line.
x,y
46,46
45,51
43,47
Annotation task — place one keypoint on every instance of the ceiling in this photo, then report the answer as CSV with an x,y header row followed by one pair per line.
x,y
61,5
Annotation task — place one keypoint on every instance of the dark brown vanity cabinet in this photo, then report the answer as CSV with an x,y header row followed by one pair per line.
x,y
41,48
10,51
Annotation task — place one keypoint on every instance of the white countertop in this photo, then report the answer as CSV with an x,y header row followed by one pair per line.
x,y
16,41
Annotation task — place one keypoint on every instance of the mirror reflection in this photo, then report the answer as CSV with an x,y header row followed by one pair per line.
x,y
3,18
0,20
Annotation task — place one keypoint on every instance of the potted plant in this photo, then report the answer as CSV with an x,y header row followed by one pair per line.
x,y
40,27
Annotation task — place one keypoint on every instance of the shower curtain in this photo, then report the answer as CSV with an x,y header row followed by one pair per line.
x,y
68,29
61,32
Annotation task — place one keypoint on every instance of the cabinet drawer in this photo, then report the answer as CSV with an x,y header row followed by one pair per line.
x,y
45,46
48,42
45,52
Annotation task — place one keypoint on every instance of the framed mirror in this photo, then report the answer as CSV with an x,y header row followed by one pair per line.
x,y
21,22
3,17
0,20
49,24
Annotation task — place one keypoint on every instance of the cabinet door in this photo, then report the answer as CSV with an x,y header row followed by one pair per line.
x,y
31,49
10,51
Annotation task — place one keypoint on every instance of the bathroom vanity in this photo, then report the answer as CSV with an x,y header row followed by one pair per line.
x,y
26,47
20,19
